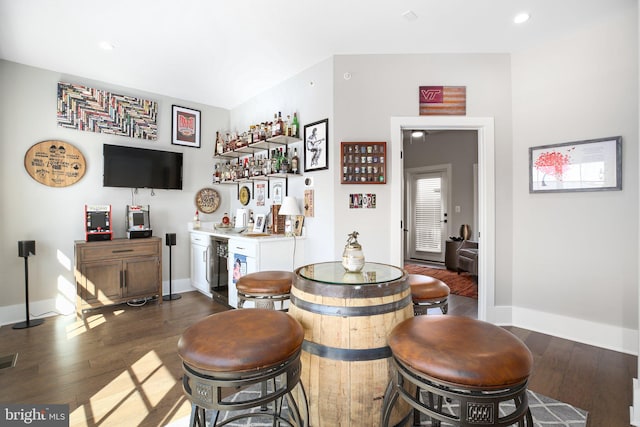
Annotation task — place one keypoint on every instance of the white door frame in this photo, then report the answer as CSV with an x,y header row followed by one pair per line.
x,y
486,195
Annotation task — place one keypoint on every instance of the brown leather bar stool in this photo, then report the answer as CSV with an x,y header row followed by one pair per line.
x,y
229,351
265,289
480,369
428,292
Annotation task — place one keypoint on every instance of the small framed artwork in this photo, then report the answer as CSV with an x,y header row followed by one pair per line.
x,y
316,146
298,222
590,165
185,126
258,226
276,193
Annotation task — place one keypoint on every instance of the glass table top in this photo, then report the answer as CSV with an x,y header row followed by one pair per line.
x,y
334,273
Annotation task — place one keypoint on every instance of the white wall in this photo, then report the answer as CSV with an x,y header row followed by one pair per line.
x,y
54,217
383,86
576,254
310,93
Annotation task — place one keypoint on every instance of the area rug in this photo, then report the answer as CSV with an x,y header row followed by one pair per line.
x,y
546,412
462,284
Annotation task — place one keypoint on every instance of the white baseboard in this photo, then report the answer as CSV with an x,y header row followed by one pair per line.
x,y
45,308
177,286
634,411
611,337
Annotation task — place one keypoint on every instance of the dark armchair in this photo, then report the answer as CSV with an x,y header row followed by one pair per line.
x,y
468,257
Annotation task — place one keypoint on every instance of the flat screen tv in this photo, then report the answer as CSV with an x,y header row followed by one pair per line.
x,y
141,168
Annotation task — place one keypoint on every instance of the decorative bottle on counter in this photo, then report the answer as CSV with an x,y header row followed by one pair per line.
x,y
353,257
196,221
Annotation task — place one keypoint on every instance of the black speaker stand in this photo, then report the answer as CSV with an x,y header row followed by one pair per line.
x,y
170,240
27,323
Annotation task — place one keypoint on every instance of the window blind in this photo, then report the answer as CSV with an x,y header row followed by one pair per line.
x,y
428,205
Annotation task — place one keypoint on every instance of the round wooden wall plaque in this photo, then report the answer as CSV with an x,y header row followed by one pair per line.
x,y
55,163
207,200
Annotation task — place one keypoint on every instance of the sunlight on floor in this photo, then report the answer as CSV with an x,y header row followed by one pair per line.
x,y
90,322
143,386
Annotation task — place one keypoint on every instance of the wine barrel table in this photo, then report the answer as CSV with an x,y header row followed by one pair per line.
x,y
347,318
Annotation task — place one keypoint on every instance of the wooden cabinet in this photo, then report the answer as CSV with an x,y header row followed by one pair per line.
x,y
117,271
201,249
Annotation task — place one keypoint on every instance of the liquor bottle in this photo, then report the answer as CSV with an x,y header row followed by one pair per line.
x,y
287,126
275,129
295,160
274,161
281,129
216,174
295,126
219,143
284,162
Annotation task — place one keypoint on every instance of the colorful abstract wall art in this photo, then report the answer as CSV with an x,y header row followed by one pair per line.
x,y
95,110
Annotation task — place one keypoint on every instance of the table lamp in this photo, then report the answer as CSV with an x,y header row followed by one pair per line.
x,y
289,208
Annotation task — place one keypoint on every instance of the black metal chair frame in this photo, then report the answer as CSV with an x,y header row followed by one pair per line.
x,y
477,407
421,307
267,301
206,390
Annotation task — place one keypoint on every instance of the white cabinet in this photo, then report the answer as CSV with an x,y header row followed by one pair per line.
x,y
201,251
249,255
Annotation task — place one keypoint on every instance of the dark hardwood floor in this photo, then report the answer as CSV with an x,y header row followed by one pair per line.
x,y
119,366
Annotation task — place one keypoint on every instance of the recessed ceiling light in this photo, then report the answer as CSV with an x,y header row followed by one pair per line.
x,y
410,15
521,17
417,134
105,45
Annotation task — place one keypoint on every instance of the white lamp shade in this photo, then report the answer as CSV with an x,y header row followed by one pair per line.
x,y
289,207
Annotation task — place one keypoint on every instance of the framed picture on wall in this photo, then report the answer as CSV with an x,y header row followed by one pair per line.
x,y
590,165
316,146
185,126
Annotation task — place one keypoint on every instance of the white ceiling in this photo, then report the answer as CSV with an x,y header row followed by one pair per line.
x,y
223,52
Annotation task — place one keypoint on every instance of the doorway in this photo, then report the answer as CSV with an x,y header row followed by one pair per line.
x,y
486,195
427,202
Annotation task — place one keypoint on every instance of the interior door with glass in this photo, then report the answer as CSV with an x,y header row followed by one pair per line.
x,y
428,216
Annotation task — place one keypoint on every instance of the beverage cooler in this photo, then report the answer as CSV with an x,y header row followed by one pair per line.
x,y
220,274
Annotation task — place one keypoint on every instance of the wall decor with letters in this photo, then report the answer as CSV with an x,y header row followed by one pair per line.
x,y
55,163
443,100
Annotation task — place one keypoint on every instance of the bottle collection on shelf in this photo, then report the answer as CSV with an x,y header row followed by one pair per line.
x,y
258,132
258,166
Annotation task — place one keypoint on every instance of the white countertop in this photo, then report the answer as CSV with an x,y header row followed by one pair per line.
x,y
208,229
